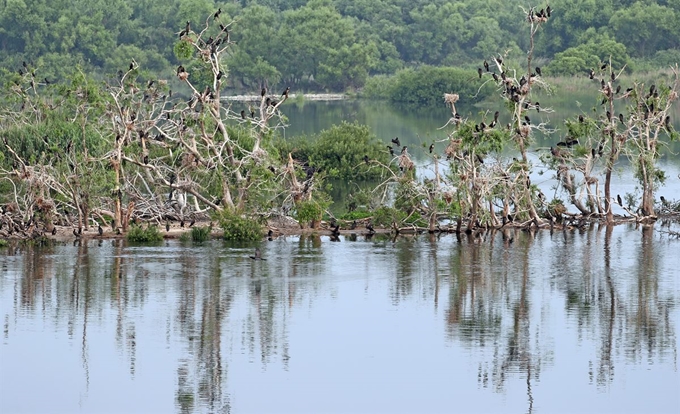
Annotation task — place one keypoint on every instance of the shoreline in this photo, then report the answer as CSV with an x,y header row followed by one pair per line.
x,y
292,96
65,233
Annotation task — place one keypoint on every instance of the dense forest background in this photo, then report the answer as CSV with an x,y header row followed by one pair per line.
x,y
333,45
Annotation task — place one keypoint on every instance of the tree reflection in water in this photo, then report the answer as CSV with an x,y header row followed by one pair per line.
x,y
499,295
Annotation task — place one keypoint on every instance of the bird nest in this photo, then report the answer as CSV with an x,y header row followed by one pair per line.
x,y
451,98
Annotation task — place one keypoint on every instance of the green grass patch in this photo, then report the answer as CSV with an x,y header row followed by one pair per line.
x,y
137,234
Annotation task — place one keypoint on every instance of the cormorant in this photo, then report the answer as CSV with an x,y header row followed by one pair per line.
x,y
580,118
75,233
618,89
526,118
100,230
54,231
263,92
618,199
181,223
192,222
431,148
243,114
486,65
604,66
479,71
538,107
366,159
495,116
146,159
538,71
217,14
403,149
258,255
167,226
592,74
396,142
370,228
495,77
285,92
663,200
547,11
389,147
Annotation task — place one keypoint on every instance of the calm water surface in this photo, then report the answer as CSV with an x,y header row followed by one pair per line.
x,y
575,321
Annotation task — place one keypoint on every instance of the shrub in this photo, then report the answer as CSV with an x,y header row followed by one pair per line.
x,y
239,228
148,235
340,151
427,85
200,234
312,210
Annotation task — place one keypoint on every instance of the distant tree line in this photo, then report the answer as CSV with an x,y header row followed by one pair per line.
x,y
332,44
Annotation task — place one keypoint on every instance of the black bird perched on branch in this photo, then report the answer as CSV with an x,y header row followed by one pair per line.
x,y
621,118
217,14
618,89
263,92
592,74
618,199
486,65
580,118
167,226
285,92
389,147
396,142
479,71
100,230
186,30
193,221
431,148
526,118
538,71
243,114
258,255
366,159
495,77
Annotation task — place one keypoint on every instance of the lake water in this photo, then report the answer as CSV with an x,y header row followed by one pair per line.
x,y
575,321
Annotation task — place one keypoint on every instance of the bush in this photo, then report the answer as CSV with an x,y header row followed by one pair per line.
x,y
239,228
3,243
340,151
384,216
148,235
197,234
427,85
312,210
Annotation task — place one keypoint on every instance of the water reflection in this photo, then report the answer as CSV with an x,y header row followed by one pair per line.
x,y
495,322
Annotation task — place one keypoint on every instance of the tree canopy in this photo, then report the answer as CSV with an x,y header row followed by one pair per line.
x,y
329,44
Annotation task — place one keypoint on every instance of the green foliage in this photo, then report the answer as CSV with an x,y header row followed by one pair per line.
x,y
137,234
340,151
197,234
308,211
427,86
3,243
384,216
238,227
589,55
319,44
